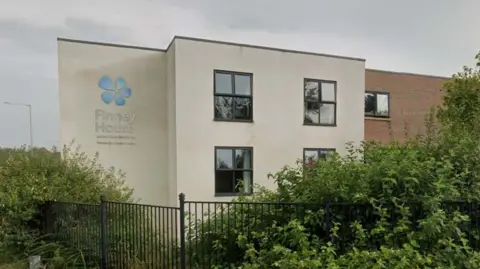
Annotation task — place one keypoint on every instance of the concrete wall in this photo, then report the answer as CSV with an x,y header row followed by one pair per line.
x,y
173,135
277,134
411,96
172,126
140,147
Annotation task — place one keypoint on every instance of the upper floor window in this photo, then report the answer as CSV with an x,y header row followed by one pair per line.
x,y
233,170
377,104
311,155
320,100
233,96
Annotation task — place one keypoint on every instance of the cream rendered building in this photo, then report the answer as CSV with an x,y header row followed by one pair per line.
x,y
201,114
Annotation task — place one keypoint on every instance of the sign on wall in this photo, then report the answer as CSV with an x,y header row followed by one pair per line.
x,y
114,127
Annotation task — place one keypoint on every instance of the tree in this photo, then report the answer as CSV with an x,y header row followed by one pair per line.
x,y
460,111
29,180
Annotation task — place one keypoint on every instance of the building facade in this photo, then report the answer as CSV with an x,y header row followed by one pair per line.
x,y
396,104
206,118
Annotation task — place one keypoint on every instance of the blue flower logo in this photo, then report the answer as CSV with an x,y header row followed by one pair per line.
x,y
118,91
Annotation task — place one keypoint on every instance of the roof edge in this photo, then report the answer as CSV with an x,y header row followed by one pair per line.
x,y
209,41
244,45
107,44
405,73
267,48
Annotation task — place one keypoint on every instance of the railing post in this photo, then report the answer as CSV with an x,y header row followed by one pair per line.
x,y
47,219
327,218
103,232
183,264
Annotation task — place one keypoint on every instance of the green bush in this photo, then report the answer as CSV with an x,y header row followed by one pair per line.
x,y
141,234
29,179
400,180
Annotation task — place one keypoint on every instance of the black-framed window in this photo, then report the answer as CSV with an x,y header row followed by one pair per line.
x,y
311,155
233,96
377,104
233,170
320,102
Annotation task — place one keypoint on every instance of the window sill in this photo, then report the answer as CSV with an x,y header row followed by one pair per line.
x,y
232,194
227,120
377,118
321,125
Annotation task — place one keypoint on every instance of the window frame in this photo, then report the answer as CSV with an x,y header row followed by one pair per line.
x,y
320,81
318,150
376,105
233,95
215,169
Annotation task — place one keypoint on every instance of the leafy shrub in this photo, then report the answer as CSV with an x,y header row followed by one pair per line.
x,y
396,190
135,234
141,233
29,179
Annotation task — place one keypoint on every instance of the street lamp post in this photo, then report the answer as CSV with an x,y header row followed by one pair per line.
x,y
29,116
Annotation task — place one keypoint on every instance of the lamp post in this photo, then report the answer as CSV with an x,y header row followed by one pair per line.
x,y
29,116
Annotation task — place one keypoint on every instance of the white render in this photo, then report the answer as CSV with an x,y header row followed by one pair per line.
x,y
172,102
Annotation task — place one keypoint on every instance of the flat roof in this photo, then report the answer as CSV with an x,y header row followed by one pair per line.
x,y
242,45
265,48
404,73
106,44
213,42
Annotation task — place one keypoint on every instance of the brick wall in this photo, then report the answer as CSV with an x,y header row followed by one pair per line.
x,y
411,96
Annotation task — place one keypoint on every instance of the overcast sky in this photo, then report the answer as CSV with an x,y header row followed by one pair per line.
x,y
421,36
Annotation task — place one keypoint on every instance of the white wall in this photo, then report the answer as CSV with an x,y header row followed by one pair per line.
x,y
277,134
171,126
172,100
144,158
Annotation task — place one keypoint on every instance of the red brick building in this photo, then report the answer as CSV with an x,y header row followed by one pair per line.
x,y
395,102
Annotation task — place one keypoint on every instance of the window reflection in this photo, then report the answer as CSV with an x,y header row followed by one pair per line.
x,y
377,104
233,96
312,112
320,102
233,172
223,107
327,114
311,91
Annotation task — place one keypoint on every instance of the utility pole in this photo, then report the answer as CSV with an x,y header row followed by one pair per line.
x,y
29,117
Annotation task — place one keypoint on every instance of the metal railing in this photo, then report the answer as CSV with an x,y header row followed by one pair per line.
x,y
201,234
115,234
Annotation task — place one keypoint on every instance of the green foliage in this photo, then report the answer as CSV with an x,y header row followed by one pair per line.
x,y
29,179
461,102
399,190
143,234
400,180
5,153
58,256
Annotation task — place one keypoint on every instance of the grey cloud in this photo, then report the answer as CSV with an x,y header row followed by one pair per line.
x,y
434,36
26,35
42,39
42,94
393,23
90,30
321,15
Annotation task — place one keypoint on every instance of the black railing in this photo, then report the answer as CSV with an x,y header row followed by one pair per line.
x,y
141,235
75,224
116,235
204,234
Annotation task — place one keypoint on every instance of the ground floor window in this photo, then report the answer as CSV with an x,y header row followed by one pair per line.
x,y
233,170
311,155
